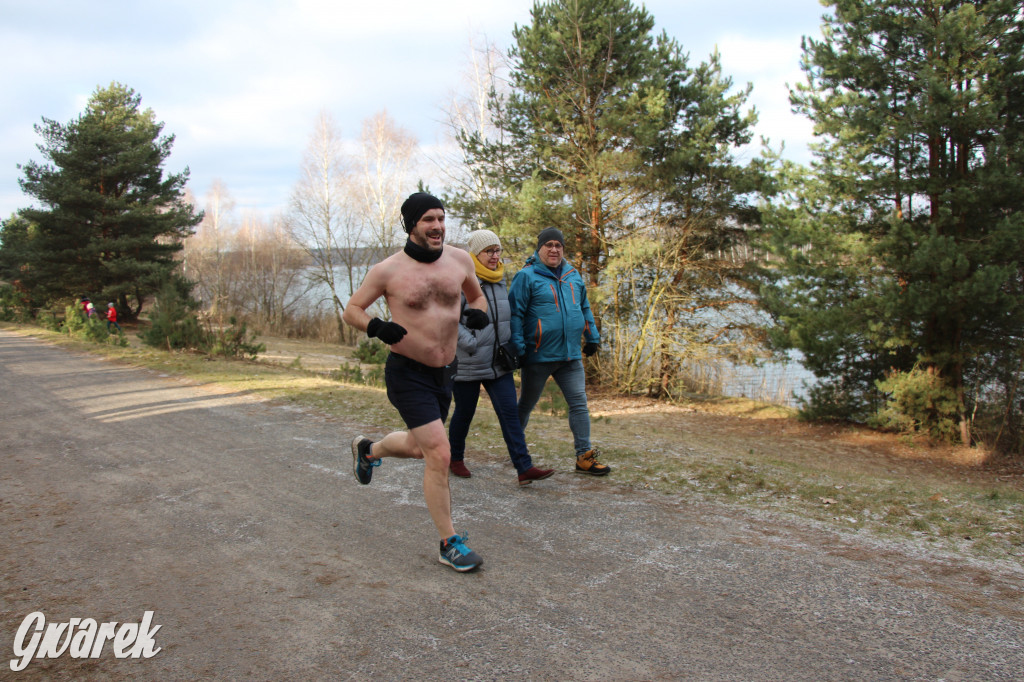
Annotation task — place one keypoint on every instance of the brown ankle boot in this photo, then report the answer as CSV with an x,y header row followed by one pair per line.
x,y
534,474
458,468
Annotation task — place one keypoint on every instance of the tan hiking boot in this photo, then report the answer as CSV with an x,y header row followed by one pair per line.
x,y
587,464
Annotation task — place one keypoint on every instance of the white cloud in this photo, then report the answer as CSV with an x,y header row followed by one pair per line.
x,y
749,58
773,67
240,83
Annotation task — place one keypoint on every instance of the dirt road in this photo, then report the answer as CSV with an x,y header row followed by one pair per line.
x,y
239,524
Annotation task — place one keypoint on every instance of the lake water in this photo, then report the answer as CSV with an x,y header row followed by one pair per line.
x,y
775,382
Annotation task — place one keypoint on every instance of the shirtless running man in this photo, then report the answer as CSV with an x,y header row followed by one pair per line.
x,y
422,286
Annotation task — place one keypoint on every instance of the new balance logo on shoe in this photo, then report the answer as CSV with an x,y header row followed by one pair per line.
x,y
454,553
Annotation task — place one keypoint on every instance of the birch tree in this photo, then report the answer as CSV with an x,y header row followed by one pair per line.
x,y
272,281
209,248
384,162
322,219
476,190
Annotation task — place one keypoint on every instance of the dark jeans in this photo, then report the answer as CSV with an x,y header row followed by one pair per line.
x,y
502,392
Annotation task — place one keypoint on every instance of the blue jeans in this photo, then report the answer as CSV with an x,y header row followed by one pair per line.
x,y
571,380
502,392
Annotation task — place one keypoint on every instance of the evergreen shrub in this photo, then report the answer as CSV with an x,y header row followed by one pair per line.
x,y
173,322
12,308
93,329
232,342
371,352
918,401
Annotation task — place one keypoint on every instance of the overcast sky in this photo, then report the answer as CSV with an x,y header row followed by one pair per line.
x,y
241,83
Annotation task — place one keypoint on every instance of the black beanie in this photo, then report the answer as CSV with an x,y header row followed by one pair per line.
x,y
549,233
415,206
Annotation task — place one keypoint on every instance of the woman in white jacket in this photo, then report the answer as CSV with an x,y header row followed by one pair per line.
x,y
481,363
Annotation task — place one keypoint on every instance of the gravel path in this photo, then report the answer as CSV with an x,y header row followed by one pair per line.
x,y
239,524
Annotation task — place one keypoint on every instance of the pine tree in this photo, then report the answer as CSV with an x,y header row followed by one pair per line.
x,y
109,222
905,251
606,132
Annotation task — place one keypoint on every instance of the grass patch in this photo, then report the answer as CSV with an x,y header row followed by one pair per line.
x,y
975,518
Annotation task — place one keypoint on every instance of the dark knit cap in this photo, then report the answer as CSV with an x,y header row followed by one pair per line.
x,y
549,233
415,206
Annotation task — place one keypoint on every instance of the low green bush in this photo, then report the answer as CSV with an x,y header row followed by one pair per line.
x,y
352,374
173,322
371,352
918,402
93,328
235,341
12,307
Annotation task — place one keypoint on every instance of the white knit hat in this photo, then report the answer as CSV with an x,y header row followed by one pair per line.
x,y
480,240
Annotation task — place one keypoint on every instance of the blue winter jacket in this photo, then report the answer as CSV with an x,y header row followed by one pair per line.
x,y
550,315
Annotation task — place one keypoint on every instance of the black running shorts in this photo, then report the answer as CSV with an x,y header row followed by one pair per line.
x,y
420,393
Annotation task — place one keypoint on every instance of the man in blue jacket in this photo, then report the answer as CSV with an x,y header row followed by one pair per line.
x,y
550,314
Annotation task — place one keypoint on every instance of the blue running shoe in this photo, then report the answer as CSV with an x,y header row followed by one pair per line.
x,y
361,465
454,553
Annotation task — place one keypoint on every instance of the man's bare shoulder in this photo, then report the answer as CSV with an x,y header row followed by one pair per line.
x,y
458,255
393,263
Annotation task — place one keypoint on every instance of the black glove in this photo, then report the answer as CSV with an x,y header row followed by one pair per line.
x,y
589,348
476,318
388,332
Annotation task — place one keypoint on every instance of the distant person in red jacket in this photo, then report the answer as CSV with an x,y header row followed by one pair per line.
x,y
112,317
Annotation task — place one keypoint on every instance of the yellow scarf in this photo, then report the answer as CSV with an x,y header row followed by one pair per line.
x,y
488,275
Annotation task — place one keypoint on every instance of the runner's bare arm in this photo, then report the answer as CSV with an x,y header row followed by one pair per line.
x,y
471,286
362,298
